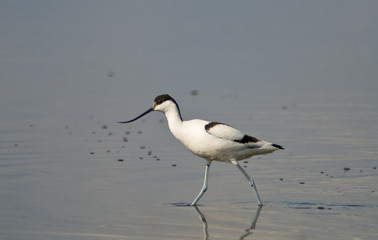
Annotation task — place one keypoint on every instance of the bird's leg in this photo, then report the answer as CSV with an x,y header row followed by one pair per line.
x,y
251,182
204,187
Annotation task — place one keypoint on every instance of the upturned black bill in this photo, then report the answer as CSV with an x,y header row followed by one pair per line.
x,y
132,120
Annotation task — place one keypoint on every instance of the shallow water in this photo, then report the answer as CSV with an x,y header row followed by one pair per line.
x,y
302,75
83,177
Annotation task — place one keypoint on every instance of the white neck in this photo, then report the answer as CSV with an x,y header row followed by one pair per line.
x,y
174,119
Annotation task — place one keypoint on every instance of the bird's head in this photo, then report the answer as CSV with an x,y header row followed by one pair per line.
x,y
162,103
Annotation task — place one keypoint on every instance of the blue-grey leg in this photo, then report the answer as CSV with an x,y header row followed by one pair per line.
x,y
251,182
204,187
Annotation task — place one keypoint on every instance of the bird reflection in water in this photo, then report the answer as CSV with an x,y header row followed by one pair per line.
x,y
248,231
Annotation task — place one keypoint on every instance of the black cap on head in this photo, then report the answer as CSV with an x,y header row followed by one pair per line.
x,y
162,98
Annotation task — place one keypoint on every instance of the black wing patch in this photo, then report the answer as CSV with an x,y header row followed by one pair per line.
x,y
247,139
234,135
212,124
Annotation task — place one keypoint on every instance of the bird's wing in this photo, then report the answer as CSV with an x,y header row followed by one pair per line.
x,y
226,132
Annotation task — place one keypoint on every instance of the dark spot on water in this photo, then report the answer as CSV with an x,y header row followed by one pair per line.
x,y
301,182
281,179
374,167
125,139
15,144
31,125
245,166
321,208
92,153
108,151
157,159
346,169
194,92
139,132
110,133
284,107
141,158
127,132
149,153
100,140
174,165
245,162
120,160
161,120
110,74
93,132
104,127
142,147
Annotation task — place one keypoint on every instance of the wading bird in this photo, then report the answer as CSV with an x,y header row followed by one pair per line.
x,y
212,141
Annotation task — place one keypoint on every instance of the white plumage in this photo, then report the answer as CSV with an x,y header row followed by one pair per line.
x,y
212,141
